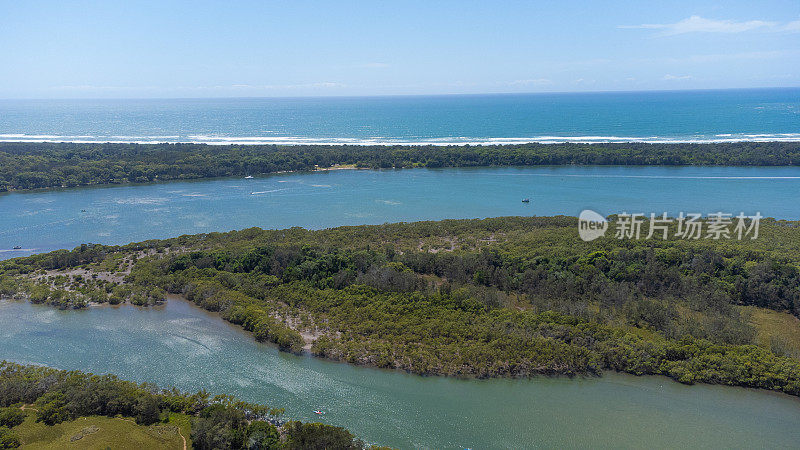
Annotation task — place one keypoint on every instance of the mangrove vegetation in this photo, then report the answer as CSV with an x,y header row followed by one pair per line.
x,y
215,422
500,297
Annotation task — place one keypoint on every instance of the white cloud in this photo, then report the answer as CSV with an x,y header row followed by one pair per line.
x,y
531,82
719,57
792,27
697,24
323,84
677,77
88,87
227,87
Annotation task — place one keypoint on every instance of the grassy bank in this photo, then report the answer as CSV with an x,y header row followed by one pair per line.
x,y
97,432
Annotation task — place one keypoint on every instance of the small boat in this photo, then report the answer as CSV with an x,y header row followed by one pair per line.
x,y
526,200
249,177
83,210
318,412
17,247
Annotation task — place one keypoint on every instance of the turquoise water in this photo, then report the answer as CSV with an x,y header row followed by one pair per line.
x,y
181,345
696,116
47,220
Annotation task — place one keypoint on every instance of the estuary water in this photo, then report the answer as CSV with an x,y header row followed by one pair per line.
x,y
179,344
46,220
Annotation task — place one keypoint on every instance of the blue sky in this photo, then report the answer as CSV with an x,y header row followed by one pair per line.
x,y
302,48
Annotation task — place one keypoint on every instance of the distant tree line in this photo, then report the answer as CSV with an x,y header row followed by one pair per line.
x,y
42,165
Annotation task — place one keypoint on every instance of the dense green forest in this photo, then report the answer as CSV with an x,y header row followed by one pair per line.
x,y
42,165
218,422
502,297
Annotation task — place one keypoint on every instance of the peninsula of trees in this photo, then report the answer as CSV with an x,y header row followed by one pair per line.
x,y
502,297
214,422
46,165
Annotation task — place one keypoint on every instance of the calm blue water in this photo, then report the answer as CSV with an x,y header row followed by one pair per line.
x,y
46,220
390,407
723,115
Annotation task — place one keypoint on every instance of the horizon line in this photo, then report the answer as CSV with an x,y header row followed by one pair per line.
x,y
478,94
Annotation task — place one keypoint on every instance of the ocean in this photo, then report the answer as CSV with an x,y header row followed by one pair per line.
x,y
665,116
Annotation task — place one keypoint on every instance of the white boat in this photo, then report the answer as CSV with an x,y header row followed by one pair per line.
x,y
249,177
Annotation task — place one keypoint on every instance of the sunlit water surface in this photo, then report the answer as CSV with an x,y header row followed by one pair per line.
x,y
47,220
181,345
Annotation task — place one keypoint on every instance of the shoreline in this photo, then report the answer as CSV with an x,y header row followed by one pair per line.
x,y
338,167
41,165
308,354
480,142
333,168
